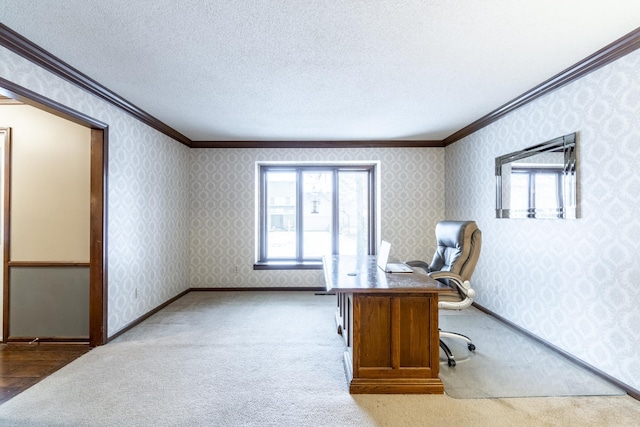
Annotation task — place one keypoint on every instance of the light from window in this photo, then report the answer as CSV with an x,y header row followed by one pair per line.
x,y
536,192
306,212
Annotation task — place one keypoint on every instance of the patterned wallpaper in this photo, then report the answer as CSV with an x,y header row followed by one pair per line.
x,y
178,218
148,210
573,283
223,215
181,218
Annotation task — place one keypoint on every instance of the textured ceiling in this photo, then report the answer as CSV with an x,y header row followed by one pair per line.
x,y
320,70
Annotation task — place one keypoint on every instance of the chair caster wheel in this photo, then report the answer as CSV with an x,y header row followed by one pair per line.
x,y
451,362
471,347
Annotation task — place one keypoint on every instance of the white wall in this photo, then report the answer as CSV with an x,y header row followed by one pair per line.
x,y
223,214
573,283
50,176
148,226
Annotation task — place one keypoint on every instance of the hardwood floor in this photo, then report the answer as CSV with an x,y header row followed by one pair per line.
x,y
23,365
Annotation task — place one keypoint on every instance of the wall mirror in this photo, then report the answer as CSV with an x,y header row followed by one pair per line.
x,y
539,181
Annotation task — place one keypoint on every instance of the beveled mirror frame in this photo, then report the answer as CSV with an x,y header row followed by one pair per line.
x,y
567,187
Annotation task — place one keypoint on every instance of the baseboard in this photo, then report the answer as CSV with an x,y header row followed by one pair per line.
x,y
146,316
48,340
627,388
271,289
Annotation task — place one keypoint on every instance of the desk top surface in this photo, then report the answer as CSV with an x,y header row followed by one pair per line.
x,y
361,274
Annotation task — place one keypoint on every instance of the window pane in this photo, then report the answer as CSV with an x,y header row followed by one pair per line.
x,y
317,213
519,195
546,195
353,202
281,214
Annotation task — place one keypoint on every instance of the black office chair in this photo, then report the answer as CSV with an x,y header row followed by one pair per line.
x,y
453,264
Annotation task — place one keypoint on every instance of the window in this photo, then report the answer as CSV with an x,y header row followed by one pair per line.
x,y
307,211
536,192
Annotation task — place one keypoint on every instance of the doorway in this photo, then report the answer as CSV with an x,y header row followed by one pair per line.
x,y
97,288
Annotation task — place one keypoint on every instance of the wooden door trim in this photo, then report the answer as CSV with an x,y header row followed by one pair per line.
x,y
5,233
98,308
98,238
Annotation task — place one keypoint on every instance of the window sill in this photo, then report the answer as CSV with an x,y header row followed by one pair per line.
x,y
288,265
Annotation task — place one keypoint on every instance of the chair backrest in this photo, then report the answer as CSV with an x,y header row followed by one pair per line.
x,y
458,248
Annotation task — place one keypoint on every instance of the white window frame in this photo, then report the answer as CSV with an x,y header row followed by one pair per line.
x,y
531,172
262,262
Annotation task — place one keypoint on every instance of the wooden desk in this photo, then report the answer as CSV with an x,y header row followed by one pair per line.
x,y
389,323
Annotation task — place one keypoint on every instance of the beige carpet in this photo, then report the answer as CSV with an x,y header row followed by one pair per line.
x,y
260,359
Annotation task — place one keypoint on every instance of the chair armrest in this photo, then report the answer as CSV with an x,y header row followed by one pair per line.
x,y
420,264
463,288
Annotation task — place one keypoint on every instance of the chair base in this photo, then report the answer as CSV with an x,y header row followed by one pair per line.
x,y
447,351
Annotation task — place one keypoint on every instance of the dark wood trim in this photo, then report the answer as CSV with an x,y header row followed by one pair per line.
x,y
5,234
144,317
97,291
34,53
27,49
604,56
98,236
4,100
98,313
48,264
34,99
61,340
268,289
318,144
628,389
274,265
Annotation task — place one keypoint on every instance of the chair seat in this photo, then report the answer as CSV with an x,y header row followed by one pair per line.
x,y
450,297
